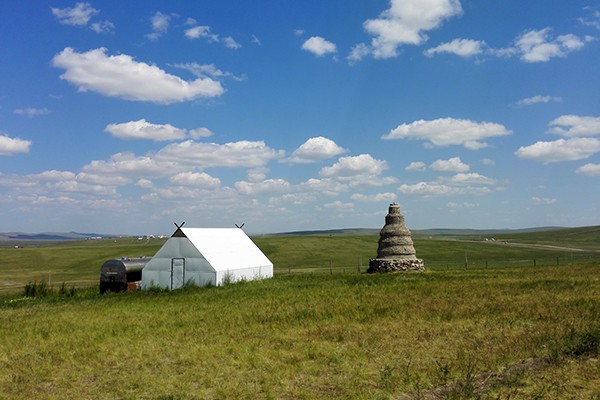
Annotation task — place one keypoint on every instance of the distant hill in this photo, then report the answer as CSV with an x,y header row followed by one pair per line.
x,y
422,232
20,236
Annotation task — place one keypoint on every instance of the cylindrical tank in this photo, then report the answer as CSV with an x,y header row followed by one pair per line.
x,y
116,274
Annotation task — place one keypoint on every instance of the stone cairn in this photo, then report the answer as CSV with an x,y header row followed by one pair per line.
x,y
395,252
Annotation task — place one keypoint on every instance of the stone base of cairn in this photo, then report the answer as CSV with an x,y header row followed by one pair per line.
x,y
395,265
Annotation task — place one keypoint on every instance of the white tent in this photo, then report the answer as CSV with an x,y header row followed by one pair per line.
x,y
206,256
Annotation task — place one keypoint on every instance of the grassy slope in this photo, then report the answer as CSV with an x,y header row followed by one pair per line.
x,y
312,336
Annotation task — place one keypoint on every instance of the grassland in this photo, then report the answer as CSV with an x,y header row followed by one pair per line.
x,y
505,329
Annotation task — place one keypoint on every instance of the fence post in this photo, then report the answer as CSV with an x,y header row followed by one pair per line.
x,y
534,263
330,268
359,264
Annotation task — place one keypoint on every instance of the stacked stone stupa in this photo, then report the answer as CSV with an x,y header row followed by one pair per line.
x,y
396,251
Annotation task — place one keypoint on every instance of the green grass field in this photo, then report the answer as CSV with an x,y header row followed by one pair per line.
x,y
499,328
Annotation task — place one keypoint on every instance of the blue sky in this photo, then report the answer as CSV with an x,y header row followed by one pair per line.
x,y
124,117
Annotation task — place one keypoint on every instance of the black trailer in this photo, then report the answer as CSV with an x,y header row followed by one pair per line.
x,y
120,275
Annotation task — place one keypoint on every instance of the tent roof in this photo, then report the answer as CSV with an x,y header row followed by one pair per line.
x,y
226,248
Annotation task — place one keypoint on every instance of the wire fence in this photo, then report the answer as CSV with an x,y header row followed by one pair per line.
x,y
332,267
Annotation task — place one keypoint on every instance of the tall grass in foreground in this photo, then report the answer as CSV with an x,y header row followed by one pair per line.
x,y
487,333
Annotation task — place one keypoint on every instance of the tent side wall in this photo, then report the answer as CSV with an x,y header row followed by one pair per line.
x,y
244,274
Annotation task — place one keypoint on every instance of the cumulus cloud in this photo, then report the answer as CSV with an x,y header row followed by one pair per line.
x,y
315,149
195,179
460,47
406,22
453,164
428,189
353,166
200,133
416,166
77,16
589,169
121,76
575,126
266,186
539,99
560,150
9,146
130,165
376,198
204,155
449,131
142,129
319,46
540,46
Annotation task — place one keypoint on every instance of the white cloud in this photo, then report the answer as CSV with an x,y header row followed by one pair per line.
x,y
319,46
160,25
589,169
266,186
9,146
416,166
208,71
453,164
539,99
103,27
539,46
121,76
454,206
315,149
473,178
204,32
358,52
200,133
560,150
339,205
196,179
489,162
257,174
406,22
204,155
142,129
376,198
53,176
593,20
130,165
460,47
449,131
363,164
77,16
327,187
575,126
230,43
428,189
32,112
542,201
200,31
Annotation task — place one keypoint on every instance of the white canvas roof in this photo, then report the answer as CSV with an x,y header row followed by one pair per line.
x,y
226,249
